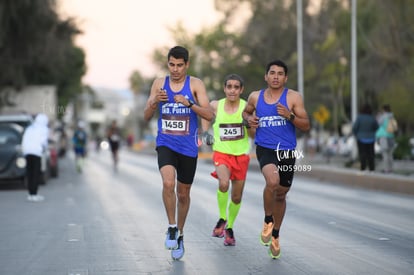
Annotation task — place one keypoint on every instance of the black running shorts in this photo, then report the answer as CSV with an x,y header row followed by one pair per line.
x,y
283,159
184,165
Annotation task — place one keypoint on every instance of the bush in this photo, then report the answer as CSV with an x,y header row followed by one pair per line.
x,y
403,150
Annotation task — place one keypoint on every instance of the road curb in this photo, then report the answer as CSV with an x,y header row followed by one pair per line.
x,y
373,180
347,176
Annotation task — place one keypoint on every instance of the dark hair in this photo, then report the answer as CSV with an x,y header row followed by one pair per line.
x,y
234,77
386,108
366,109
178,52
278,63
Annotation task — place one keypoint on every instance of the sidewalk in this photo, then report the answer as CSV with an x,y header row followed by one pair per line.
x,y
335,172
401,181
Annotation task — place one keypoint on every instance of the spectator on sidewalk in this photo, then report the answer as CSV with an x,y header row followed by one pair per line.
x,y
364,129
386,139
34,144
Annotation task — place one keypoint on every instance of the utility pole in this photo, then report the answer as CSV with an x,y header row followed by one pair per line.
x,y
354,105
299,19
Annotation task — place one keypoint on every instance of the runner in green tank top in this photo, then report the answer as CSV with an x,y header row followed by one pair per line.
x,y
230,154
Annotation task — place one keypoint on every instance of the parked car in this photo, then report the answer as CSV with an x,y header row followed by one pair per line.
x,y
53,158
49,165
12,161
61,139
23,120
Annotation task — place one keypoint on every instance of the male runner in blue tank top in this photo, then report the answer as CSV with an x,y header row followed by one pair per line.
x,y
276,112
179,98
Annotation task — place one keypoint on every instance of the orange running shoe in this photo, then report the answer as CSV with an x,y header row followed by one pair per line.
x,y
265,237
274,249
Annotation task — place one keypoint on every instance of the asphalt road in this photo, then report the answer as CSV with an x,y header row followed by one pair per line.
x,y
101,222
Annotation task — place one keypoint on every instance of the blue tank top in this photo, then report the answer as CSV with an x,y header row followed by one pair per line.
x,y
177,124
274,132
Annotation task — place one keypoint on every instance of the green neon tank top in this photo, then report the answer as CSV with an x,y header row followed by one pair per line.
x,y
230,136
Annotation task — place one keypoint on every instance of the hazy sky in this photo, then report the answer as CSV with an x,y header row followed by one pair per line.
x,y
120,35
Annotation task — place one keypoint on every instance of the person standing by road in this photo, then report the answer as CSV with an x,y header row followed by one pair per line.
x,y
364,129
230,155
179,98
275,112
34,145
386,139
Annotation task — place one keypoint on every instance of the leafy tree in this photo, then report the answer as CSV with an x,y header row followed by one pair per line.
x,y
386,66
36,47
384,49
139,84
71,72
326,54
136,82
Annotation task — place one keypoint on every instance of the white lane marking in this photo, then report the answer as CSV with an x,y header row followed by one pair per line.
x,y
75,232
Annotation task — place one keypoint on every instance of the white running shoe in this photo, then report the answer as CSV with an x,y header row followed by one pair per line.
x,y
35,198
